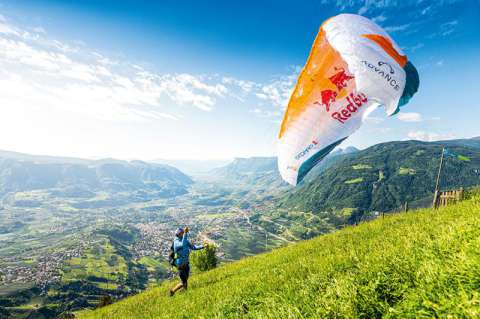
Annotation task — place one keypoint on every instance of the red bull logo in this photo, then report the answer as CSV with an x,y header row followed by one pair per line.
x,y
340,80
328,97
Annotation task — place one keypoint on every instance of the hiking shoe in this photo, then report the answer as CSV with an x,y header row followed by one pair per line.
x,y
171,293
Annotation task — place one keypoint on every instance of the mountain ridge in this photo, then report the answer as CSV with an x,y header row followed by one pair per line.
x,y
22,172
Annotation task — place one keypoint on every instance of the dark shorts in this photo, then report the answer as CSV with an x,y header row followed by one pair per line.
x,y
184,272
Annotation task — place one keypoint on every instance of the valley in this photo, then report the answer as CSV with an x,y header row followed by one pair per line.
x,y
74,231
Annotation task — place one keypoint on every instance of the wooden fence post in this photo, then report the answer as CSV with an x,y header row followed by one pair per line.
x,y
447,197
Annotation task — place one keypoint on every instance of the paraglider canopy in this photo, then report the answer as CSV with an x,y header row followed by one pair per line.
x,y
353,67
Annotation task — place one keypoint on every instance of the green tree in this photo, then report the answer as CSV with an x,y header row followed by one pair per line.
x,y
105,301
205,259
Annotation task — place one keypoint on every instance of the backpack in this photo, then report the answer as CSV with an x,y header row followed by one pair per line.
x,y
172,257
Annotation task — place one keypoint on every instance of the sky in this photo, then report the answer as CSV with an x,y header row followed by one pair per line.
x,y
210,79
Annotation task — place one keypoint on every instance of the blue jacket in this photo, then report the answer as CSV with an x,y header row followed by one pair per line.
x,y
182,247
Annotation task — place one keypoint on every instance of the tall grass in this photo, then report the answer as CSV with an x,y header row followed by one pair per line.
x,y
420,264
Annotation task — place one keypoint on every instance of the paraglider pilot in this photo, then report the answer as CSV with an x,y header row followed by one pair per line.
x,y
179,257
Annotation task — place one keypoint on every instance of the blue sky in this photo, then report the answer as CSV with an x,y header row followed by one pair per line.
x,y
210,79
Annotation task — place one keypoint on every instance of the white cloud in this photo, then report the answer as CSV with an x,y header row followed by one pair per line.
x,y
267,113
279,90
379,19
430,136
39,30
367,4
416,47
373,119
445,29
426,10
6,28
371,5
432,62
409,117
245,86
194,82
397,28
362,10
448,27
78,79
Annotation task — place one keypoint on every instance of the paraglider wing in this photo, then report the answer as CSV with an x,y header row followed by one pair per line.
x,y
353,67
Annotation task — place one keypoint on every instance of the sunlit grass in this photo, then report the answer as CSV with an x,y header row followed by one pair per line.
x,y
354,180
100,260
424,263
153,264
406,171
361,166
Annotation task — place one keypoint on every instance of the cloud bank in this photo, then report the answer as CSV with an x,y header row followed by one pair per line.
x,y
38,71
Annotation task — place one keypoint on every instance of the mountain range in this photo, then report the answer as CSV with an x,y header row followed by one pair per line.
x,y
194,167
22,172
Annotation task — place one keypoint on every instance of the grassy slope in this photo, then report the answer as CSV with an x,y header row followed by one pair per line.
x,y
419,264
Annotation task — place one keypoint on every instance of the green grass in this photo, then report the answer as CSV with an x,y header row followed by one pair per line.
x,y
354,181
153,264
464,158
406,171
100,260
361,166
347,211
421,264
381,176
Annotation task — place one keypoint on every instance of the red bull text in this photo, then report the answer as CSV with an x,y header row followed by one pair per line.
x,y
354,103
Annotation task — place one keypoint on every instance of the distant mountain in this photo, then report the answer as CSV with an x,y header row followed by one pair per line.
x,y
473,142
264,170
42,158
22,172
245,167
385,176
194,167
256,182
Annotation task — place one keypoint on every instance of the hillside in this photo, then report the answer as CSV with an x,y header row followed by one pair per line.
x,y
422,263
385,176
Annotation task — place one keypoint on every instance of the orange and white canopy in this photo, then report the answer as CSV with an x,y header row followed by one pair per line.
x,y
353,67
